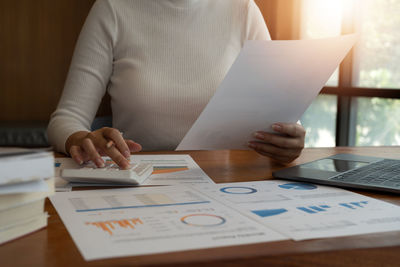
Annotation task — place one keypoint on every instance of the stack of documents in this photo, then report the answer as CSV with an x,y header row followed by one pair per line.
x,y
26,179
147,220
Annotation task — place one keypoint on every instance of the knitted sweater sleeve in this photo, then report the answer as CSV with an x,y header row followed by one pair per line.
x,y
88,76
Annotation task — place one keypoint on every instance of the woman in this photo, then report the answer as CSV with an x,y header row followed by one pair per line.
x,y
161,62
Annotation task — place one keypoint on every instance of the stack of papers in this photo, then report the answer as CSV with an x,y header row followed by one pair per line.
x,y
147,220
26,179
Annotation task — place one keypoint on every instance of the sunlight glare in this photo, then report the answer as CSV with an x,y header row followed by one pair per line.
x,y
322,18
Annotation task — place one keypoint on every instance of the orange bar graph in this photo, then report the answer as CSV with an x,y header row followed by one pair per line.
x,y
109,226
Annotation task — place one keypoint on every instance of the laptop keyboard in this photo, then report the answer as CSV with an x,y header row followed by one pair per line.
x,y
382,173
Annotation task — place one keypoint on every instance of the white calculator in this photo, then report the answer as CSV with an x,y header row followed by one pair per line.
x,y
110,173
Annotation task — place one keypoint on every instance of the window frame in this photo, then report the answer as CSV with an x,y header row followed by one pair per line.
x,y
346,92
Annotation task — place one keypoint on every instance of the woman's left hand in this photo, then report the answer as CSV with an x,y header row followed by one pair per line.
x,y
285,147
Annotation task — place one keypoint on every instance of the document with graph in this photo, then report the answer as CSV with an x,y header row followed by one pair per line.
x,y
168,170
146,220
173,169
305,211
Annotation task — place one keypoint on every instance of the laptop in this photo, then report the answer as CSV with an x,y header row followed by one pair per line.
x,y
348,170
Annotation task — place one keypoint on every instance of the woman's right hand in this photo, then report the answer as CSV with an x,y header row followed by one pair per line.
x,y
84,146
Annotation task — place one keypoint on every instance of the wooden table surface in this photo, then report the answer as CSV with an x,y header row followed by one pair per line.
x,y
53,246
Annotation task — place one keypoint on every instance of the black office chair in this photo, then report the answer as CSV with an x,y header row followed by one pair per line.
x,y
23,134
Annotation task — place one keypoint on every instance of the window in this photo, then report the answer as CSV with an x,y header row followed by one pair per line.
x,y
320,122
377,121
360,104
321,19
377,57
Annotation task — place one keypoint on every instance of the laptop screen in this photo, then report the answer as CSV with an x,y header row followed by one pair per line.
x,y
334,165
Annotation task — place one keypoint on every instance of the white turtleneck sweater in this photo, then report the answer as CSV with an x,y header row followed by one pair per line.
x,y
161,62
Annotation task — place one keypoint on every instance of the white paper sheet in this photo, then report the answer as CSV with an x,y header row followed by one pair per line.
x,y
147,220
270,81
305,211
168,170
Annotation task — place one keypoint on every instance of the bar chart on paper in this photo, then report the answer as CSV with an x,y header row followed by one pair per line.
x,y
147,220
314,209
112,226
304,211
354,205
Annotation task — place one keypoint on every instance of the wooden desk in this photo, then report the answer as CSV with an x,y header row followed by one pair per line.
x,y
53,245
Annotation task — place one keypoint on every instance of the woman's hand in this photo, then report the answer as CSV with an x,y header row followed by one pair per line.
x,y
285,147
84,146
